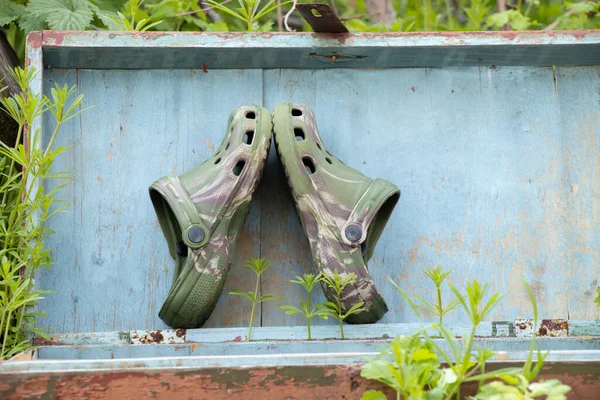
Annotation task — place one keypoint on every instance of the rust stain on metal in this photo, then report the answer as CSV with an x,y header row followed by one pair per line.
x,y
34,40
554,328
158,337
336,56
40,341
546,327
205,68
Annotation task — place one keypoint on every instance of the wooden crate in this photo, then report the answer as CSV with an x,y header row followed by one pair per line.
x,y
493,139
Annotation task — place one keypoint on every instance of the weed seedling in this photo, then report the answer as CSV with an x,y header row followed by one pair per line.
x,y
411,364
337,283
249,11
437,276
258,265
308,282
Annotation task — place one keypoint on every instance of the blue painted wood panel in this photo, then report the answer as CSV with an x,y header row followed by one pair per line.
x,y
497,166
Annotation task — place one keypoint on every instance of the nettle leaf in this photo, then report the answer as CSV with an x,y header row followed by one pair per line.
x,y
10,11
63,14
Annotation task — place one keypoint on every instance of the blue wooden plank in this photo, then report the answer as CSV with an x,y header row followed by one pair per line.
x,y
496,166
115,271
577,209
255,360
282,236
274,348
306,50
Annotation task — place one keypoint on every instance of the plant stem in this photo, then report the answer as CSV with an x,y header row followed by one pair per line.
x,y
253,306
340,314
449,14
12,161
308,318
440,309
426,14
4,339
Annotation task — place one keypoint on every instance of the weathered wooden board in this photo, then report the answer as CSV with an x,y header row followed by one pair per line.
x,y
304,377
498,167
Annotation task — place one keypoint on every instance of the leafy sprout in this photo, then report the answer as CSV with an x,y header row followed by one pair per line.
x,y
308,282
259,266
410,365
249,11
338,283
437,275
131,24
26,206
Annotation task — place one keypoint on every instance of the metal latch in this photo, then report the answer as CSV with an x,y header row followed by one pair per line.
x,y
321,18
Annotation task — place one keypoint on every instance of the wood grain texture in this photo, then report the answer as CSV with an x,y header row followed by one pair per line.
x,y
228,50
497,167
304,381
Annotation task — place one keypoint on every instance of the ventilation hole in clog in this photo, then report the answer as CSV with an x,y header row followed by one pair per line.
x,y
296,112
226,147
299,133
218,160
237,170
251,115
328,160
309,165
248,137
319,146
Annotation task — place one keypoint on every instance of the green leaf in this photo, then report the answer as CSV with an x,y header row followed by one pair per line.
x,y
553,389
378,370
423,354
584,7
290,310
373,395
514,18
498,391
356,308
597,299
10,11
63,14
247,295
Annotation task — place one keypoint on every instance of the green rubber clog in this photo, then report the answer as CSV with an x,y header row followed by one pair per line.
x,y
201,214
343,212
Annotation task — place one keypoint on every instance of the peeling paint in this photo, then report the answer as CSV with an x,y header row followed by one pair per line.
x,y
158,337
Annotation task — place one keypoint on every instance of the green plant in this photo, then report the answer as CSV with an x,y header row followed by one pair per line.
x,y
597,298
411,364
338,283
249,11
131,23
308,282
26,206
437,275
258,265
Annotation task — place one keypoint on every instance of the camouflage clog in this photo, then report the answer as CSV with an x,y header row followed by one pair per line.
x,y
342,211
201,214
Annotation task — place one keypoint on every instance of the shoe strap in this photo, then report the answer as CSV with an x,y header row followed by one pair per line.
x,y
194,232
354,231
